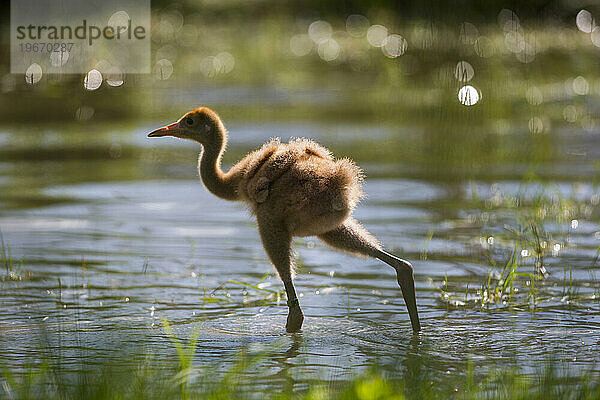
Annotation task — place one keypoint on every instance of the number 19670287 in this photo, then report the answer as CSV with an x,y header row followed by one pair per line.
x,y
50,47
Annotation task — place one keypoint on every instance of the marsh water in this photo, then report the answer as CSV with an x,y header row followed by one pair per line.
x,y
110,233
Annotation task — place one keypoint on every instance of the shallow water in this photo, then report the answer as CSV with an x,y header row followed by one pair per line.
x,y
116,232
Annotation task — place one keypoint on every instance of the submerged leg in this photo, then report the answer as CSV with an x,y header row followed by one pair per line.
x,y
277,242
353,238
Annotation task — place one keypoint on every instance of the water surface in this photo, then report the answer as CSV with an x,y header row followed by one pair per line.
x,y
116,233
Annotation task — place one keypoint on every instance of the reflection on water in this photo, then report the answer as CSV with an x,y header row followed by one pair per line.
x,y
113,243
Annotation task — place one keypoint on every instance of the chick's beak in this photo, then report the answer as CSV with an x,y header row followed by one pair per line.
x,y
167,130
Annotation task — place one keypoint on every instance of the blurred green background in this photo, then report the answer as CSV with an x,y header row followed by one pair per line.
x,y
261,57
532,67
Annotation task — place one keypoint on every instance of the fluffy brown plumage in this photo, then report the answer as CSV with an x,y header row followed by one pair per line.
x,y
301,182
293,189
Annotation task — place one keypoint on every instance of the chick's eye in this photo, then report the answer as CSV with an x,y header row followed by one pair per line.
x,y
189,121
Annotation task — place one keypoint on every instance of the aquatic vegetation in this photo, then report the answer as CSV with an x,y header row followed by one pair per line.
x,y
185,353
13,270
254,294
145,376
525,277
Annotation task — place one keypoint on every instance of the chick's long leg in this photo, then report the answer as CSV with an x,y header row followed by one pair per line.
x,y
353,238
277,242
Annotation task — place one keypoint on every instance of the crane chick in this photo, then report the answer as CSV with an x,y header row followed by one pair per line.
x,y
293,189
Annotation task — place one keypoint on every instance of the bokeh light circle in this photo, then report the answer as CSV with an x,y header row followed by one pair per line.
x,y
394,46
329,50
33,74
464,71
376,34
468,95
163,69
357,25
92,80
